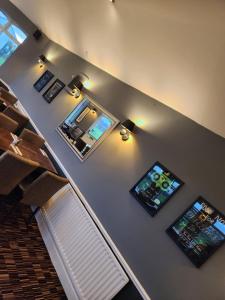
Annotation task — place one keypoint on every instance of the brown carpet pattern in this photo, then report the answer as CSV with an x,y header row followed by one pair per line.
x,y
26,271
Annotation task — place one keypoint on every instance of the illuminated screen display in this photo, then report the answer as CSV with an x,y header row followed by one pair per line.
x,y
199,231
101,125
71,119
155,188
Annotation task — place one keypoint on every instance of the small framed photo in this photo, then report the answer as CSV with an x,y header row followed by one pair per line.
x,y
53,90
43,81
155,188
199,231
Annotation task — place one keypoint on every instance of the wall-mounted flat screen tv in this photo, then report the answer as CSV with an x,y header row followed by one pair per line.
x,y
86,127
199,231
156,187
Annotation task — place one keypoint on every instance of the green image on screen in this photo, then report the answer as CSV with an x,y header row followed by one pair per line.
x,y
199,231
101,125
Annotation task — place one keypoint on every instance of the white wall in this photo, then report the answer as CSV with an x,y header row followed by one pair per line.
x,y
172,50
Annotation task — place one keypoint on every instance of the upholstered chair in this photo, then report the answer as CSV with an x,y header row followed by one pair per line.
x,y
42,189
7,96
16,115
2,85
8,123
13,169
31,137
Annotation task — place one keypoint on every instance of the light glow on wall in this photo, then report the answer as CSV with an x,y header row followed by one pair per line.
x,y
88,84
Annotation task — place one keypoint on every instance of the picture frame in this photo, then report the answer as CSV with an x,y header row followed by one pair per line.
x,y
45,78
53,90
155,188
199,231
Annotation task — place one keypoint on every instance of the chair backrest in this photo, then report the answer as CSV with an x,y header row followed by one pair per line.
x,y
2,105
13,169
43,188
32,138
3,85
7,96
16,115
8,123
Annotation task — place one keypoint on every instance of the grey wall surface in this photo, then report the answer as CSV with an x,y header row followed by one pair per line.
x,y
193,153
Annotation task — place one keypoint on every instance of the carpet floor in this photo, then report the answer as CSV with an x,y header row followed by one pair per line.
x,y
26,271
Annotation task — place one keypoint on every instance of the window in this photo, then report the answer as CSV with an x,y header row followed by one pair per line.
x,y
11,36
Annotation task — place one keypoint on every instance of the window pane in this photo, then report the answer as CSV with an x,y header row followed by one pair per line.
x,y
17,33
3,19
7,47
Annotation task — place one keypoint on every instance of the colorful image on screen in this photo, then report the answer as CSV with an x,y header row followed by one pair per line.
x,y
101,125
156,187
199,231
71,119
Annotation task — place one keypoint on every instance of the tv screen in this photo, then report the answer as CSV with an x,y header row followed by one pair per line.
x,y
155,188
199,231
101,125
71,119
86,127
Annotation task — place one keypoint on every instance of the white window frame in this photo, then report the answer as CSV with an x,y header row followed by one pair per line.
x,y
4,29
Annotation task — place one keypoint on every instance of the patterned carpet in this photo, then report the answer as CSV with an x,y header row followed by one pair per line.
x,y
26,271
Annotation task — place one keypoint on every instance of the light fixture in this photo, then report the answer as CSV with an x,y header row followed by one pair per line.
x,y
85,80
78,83
76,92
42,60
128,127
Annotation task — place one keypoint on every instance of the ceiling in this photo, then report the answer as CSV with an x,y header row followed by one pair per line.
x,y
172,50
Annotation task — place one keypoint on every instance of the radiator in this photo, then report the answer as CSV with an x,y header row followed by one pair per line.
x,y
92,267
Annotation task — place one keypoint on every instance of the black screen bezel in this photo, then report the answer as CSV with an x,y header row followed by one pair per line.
x,y
58,91
173,236
134,194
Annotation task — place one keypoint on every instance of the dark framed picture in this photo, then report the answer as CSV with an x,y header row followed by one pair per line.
x,y
43,80
53,90
199,231
155,188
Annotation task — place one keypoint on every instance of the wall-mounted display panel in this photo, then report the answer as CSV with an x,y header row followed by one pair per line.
x,y
155,188
86,127
199,231
54,90
43,80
